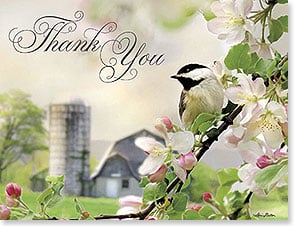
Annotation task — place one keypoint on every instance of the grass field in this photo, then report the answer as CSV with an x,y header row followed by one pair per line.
x,y
276,204
66,208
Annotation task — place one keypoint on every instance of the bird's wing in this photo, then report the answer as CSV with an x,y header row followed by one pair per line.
x,y
182,104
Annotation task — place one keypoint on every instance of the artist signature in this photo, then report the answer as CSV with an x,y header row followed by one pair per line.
x,y
258,214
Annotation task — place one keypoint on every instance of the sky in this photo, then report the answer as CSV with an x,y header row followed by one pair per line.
x,y
120,108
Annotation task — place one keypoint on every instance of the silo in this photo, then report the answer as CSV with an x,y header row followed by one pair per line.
x,y
70,144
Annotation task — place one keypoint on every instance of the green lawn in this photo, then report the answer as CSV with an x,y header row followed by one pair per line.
x,y
275,204
66,208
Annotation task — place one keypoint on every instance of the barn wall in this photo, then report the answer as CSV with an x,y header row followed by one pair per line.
x,y
115,166
101,185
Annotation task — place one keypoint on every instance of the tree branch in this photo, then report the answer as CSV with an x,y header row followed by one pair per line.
x,y
206,145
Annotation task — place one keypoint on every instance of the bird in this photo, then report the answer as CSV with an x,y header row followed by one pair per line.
x,y
202,92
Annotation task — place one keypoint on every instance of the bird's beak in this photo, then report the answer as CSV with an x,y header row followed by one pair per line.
x,y
174,76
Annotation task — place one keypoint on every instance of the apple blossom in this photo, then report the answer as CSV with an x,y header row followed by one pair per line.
x,y
231,23
194,206
130,200
266,122
157,153
4,212
178,170
13,190
151,218
250,151
164,123
247,175
234,134
207,197
11,202
159,175
187,161
247,93
264,161
129,204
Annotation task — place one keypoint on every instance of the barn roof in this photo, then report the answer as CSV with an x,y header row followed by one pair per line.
x,y
127,149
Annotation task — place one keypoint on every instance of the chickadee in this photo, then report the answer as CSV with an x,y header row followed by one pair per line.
x,y
202,92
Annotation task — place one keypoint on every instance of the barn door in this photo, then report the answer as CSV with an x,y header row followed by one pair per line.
x,y
112,187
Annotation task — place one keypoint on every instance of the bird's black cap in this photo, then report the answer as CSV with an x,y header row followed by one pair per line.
x,y
189,67
188,83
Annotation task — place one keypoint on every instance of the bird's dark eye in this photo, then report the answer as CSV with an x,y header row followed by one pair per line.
x,y
189,67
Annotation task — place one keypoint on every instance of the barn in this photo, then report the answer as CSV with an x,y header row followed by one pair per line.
x,y
117,174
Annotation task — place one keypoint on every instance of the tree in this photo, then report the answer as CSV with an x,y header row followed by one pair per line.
x,y
21,127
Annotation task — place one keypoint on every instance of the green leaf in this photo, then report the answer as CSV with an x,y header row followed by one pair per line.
x,y
206,211
192,215
201,118
154,191
180,201
78,206
269,176
282,1
205,126
222,191
174,215
285,67
275,30
55,179
284,21
238,57
254,58
144,181
227,176
56,198
271,68
45,196
262,66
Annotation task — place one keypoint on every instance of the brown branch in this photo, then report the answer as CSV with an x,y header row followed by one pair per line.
x,y
205,147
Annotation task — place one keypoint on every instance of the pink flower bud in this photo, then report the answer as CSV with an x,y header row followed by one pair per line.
x,y
4,212
194,206
11,202
207,197
85,214
159,175
263,161
130,200
13,190
187,161
151,218
163,124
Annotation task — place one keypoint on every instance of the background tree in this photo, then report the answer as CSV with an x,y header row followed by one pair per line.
x,y
21,127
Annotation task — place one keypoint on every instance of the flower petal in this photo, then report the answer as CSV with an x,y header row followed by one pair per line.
x,y
182,141
233,94
273,136
244,7
259,88
147,143
250,151
179,171
278,110
151,164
